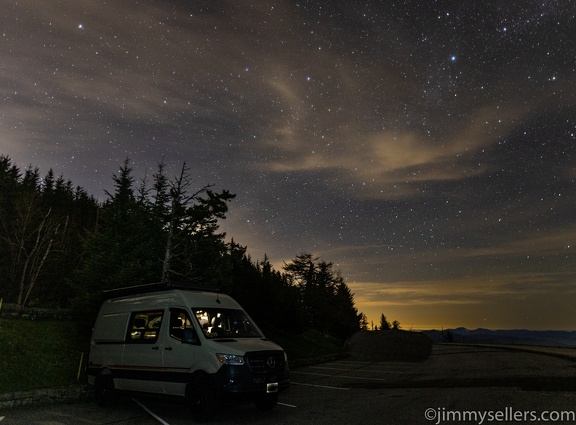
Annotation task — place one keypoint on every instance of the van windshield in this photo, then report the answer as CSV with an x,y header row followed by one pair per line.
x,y
226,323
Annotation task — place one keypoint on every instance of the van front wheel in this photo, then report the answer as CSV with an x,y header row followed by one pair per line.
x,y
201,397
104,390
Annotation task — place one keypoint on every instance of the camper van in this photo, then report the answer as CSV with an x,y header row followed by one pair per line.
x,y
172,339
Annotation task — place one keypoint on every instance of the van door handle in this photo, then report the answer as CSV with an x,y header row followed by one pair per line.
x,y
168,348
155,347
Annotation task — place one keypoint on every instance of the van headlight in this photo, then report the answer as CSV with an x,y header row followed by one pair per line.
x,y
231,359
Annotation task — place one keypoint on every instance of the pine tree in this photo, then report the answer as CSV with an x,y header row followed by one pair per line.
x,y
325,297
363,322
125,247
193,248
384,324
36,218
9,190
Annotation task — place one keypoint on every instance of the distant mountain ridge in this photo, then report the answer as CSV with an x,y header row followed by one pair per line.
x,y
514,336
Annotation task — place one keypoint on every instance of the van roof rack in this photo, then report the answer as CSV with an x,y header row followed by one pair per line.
x,y
156,287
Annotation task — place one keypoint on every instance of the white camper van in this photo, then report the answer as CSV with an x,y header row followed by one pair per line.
x,y
170,339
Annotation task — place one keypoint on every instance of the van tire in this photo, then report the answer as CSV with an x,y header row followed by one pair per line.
x,y
104,390
201,397
266,401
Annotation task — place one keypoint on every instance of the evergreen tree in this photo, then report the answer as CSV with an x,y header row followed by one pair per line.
x,y
384,324
144,236
125,247
248,286
55,237
346,319
194,250
36,222
80,211
302,273
285,310
9,191
363,322
325,298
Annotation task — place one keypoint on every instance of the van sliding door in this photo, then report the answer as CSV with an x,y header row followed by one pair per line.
x,y
181,345
142,362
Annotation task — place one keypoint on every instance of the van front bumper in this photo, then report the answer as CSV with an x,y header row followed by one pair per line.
x,y
237,379
251,378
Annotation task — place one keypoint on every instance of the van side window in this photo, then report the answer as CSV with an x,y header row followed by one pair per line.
x,y
179,320
144,326
226,323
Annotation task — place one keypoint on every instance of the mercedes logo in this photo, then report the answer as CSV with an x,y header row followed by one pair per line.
x,y
271,362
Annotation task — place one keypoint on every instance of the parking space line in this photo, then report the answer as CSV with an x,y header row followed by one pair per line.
x,y
62,414
286,404
352,363
151,413
340,376
357,370
319,386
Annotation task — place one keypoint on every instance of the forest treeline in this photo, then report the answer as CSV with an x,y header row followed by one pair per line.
x,y
60,248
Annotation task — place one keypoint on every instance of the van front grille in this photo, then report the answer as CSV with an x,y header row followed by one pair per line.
x,y
264,362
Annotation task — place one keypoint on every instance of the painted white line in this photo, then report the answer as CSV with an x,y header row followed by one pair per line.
x,y
319,386
286,404
64,415
357,370
1,418
340,376
158,418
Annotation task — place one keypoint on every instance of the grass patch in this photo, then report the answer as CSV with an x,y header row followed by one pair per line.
x,y
39,354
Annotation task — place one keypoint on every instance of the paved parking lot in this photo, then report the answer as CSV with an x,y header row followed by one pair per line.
x,y
454,380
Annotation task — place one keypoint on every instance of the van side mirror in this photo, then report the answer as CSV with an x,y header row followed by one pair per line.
x,y
190,337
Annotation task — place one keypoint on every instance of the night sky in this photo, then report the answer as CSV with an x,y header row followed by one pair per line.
x,y
426,148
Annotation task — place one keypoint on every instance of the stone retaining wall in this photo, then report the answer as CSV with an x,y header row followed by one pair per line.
x,y
390,345
44,396
9,310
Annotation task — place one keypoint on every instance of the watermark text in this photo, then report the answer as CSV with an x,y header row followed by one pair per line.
x,y
508,414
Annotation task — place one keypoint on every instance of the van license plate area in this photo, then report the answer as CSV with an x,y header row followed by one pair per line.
x,y
272,387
